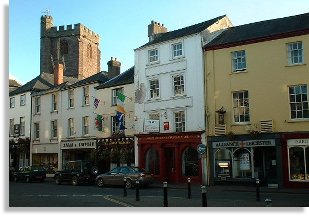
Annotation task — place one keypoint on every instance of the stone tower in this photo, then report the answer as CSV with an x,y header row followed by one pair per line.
x,y
77,48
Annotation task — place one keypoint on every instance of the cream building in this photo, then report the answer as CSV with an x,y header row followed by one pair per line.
x,y
257,86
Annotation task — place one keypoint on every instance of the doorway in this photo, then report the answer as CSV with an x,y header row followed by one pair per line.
x,y
170,169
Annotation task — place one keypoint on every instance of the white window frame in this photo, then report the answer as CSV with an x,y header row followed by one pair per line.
x,y
71,98
54,102
114,95
70,127
154,88
295,53
153,55
115,125
180,126
241,106
239,61
299,107
11,132
37,105
177,50
179,84
85,125
12,102
22,126
54,129
23,100
36,130
86,95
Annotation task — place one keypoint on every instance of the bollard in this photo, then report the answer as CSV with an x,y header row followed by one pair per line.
x,y
204,198
189,188
268,202
125,186
257,189
137,190
165,203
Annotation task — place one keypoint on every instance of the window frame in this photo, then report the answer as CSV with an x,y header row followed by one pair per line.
x,y
37,105
70,127
54,129
22,101
54,102
154,93
239,57
85,125
71,98
153,58
292,53
181,86
245,108
11,131
176,51
12,102
36,130
180,126
86,96
114,95
303,103
22,126
115,125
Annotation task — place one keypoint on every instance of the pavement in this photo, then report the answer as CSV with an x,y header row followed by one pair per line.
x,y
216,196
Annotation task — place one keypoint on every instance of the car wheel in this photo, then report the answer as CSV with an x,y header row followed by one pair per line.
x,y
15,179
129,183
57,180
28,180
100,182
74,180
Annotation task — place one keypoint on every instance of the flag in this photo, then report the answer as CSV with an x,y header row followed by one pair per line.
x,y
96,102
120,120
120,102
98,122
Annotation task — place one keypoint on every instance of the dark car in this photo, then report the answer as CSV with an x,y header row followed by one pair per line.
x,y
116,177
76,172
30,173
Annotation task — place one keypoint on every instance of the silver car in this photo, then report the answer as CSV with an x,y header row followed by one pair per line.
x,y
116,177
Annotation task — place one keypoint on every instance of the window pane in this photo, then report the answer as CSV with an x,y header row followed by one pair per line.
x,y
296,157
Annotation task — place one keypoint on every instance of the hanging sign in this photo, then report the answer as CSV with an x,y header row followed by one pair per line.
x,y
201,148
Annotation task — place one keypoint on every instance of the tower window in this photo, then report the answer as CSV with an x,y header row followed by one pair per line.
x,y
64,47
89,51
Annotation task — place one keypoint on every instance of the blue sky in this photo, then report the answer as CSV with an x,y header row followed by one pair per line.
x,y
122,25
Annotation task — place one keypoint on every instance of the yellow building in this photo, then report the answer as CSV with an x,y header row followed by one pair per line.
x,y
257,87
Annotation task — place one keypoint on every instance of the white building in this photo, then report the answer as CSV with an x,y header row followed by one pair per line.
x,y
170,106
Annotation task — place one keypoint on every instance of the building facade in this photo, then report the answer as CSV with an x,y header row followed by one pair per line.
x,y
76,47
256,79
169,106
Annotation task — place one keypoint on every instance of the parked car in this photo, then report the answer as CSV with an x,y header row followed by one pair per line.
x,y
116,177
76,172
30,173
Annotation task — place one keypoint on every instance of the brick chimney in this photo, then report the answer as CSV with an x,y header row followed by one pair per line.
x,y
113,68
58,74
155,28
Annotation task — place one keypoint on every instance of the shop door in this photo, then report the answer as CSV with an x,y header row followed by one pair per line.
x,y
170,171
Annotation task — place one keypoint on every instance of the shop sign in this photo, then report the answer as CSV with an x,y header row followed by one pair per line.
x,y
152,126
201,148
292,142
78,144
243,144
166,125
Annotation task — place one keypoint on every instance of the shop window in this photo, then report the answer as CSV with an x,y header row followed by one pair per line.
x,y
190,162
242,164
153,161
299,163
223,158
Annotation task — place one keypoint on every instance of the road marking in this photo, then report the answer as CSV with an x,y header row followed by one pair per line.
x,y
78,195
107,197
97,195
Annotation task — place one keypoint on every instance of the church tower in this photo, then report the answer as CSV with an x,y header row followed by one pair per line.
x,y
76,47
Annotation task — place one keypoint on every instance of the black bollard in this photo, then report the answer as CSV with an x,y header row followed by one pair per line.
x,y
137,190
204,197
165,203
189,188
125,186
257,181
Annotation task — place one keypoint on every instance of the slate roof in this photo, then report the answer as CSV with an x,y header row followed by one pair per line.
x,y
44,81
189,30
100,77
261,31
126,77
13,83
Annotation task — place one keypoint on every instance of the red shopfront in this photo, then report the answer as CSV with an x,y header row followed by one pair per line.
x,y
295,159
171,157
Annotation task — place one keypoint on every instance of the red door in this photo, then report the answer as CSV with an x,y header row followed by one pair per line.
x,y
170,169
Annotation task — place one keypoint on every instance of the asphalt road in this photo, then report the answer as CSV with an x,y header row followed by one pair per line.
x,y
48,194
